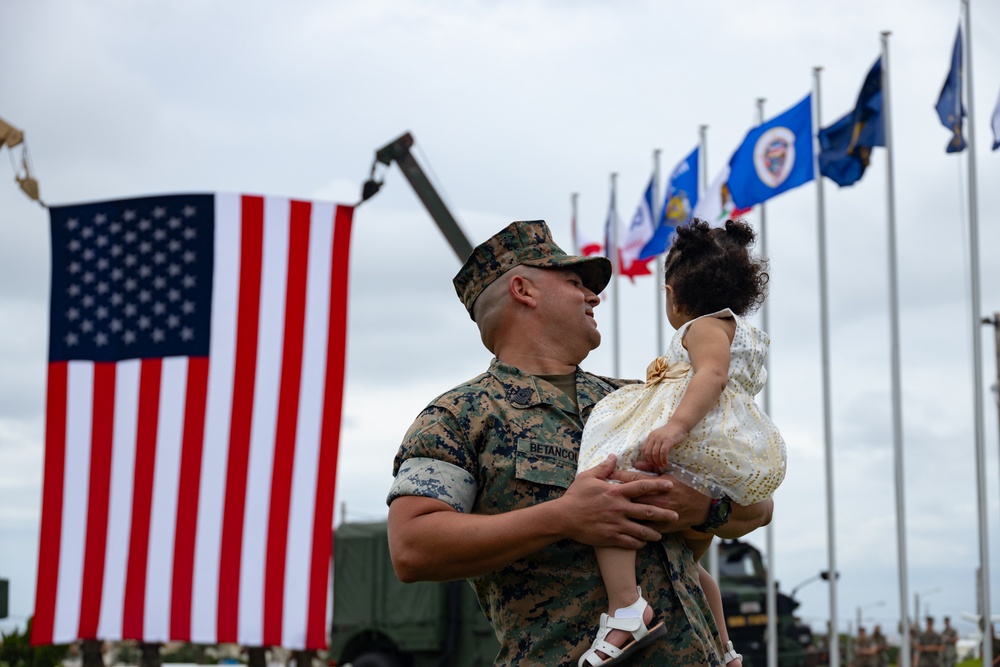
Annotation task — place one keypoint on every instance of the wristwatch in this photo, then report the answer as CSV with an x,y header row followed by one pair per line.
x,y
718,515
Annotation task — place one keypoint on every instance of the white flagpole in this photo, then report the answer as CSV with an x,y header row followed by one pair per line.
x,y
713,549
658,293
771,594
824,334
896,377
576,240
977,363
616,266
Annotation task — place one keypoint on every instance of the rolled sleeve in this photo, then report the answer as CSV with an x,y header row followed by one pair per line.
x,y
435,461
435,479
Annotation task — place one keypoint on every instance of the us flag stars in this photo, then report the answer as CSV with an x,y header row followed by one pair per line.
x,y
131,280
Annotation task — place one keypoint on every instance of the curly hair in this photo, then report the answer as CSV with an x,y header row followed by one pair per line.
x,y
711,268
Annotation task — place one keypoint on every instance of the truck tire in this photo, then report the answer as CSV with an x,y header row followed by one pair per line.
x,y
377,659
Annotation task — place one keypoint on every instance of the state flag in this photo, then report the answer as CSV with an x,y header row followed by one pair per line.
x,y
716,206
845,146
679,200
775,156
949,107
996,125
638,233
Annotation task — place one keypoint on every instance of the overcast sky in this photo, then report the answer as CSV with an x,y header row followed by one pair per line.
x,y
514,106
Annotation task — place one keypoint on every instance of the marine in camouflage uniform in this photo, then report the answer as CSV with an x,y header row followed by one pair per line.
x,y
882,644
930,646
508,440
867,650
949,636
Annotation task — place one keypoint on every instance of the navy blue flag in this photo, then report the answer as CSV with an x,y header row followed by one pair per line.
x,y
678,203
949,107
845,146
774,157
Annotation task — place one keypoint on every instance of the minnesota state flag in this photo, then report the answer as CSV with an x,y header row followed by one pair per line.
x,y
774,157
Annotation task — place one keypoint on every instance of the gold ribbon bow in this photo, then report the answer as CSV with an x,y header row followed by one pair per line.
x,y
661,370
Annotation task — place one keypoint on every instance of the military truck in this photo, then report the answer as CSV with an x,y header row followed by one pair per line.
x,y
380,622
743,581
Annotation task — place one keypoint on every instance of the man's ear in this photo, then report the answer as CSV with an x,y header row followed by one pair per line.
x,y
522,290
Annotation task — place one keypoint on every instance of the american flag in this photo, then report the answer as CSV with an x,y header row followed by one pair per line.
x,y
195,381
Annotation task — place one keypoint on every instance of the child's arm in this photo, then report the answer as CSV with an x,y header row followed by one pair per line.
x,y
707,342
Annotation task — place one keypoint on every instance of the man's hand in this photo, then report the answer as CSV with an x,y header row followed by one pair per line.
x,y
691,507
602,514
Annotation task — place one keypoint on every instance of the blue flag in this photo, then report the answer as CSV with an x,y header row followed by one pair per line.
x,y
678,203
845,146
950,109
774,157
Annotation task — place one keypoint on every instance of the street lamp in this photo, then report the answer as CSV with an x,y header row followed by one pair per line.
x,y
916,602
871,605
824,575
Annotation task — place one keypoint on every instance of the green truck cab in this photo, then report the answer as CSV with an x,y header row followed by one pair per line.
x,y
743,582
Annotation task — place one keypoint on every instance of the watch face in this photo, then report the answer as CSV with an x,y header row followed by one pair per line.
x,y
725,509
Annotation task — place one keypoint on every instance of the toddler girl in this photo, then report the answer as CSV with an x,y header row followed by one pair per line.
x,y
695,417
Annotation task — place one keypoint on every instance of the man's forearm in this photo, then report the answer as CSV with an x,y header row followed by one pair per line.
x,y
746,519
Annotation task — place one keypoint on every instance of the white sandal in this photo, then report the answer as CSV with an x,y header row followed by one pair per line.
x,y
731,654
641,636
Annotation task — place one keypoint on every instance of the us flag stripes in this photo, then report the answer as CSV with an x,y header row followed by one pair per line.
x,y
195,381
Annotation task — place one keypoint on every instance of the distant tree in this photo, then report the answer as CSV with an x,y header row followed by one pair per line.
x,y
189,653
16,651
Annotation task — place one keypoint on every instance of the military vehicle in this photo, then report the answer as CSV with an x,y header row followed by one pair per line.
x,y
743,581
380,622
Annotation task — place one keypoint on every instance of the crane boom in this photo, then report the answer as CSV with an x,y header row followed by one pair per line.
x,y
399,151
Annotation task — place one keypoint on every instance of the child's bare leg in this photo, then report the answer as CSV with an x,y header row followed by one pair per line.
x,y
714,596
698,548
618,571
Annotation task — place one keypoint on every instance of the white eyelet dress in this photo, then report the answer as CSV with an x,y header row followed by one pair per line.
x,y
736,450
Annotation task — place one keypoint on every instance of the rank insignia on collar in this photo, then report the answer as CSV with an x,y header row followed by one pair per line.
x,y
522,396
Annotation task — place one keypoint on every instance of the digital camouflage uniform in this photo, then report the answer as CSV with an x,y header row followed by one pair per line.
x,y
862,648
883,648
925,640
507,440
949,636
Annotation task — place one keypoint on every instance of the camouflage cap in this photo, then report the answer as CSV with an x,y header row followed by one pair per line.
x,y
529,243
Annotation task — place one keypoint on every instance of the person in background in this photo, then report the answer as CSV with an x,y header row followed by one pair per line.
x,y
930,646
882,644
949,636
865,650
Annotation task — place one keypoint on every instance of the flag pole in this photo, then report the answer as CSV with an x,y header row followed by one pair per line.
x,y
772,593
897,410
713,548
658,292
824,334
616,266
576,242
977,363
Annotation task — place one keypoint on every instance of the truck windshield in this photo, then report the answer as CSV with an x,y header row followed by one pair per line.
x,y
741,564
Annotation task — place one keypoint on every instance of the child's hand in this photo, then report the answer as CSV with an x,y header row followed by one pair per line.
x,y
660,441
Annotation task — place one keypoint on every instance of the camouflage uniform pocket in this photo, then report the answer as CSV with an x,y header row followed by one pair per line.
x,y
544,463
